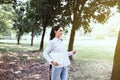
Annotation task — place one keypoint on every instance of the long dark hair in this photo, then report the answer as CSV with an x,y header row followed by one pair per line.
x,y
52,34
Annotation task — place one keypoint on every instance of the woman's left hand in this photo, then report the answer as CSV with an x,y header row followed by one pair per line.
x,y
74,51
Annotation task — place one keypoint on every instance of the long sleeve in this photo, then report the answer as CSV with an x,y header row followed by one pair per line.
x,y
55,51
70,53
47,52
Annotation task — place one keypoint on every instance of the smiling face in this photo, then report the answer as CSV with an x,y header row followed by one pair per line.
x,y
59,32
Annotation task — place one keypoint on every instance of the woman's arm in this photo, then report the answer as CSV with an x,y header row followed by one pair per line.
x,y
47,52
70,53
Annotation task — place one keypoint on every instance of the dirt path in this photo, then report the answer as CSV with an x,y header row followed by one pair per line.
x,y
26,66
91,70
19,66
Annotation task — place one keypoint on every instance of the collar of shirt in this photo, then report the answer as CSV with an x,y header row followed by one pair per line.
x,y
58,39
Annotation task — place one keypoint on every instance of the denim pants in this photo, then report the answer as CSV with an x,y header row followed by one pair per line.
x,y
59,73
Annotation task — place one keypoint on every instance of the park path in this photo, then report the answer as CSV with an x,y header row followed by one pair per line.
x,y
28,66
15,66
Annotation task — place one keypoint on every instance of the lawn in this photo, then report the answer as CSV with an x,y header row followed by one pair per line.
x,y
93,60
96,49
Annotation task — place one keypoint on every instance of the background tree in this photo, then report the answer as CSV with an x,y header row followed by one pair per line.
x,y
50,9
79,13
6,19
116,63
32,20
18,21
7,1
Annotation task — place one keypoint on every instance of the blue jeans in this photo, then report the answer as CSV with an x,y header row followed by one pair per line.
x,y
59,73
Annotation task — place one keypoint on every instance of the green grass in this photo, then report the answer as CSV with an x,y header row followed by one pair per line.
x,y
13,47
95,50
89,49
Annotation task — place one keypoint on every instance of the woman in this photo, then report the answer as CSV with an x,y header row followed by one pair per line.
x,y
57,55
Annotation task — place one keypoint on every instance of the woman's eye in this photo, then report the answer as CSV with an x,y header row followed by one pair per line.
x,y
61,30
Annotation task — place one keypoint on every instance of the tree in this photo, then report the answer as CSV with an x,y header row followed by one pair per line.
x,y
50,10
7,1
116,63
79,13
18,21
47,12
32,20
6,18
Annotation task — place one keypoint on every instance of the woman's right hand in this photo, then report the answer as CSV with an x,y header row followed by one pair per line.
x,y
54,63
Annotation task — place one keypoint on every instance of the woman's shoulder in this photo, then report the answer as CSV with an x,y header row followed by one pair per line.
x,y
52,41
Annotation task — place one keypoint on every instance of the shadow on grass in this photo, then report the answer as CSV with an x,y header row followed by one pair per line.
x,y
12,47
3,50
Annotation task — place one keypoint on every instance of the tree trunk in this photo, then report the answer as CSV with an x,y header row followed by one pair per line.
x,y
18,37
71,41
32,36
116,63
119,4
42,39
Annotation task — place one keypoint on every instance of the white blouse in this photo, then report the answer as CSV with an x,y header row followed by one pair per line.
x,y
56,51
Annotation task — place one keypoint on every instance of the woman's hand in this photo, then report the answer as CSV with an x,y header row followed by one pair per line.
x,y
54,63
74,51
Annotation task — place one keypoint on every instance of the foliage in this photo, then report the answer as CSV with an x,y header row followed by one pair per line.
x,y
7,1
6,18
82,12
79,13
50,14
19,14
32,19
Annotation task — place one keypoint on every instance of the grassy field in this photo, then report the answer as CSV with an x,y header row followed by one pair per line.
x,y
93,60
96,49
89,49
